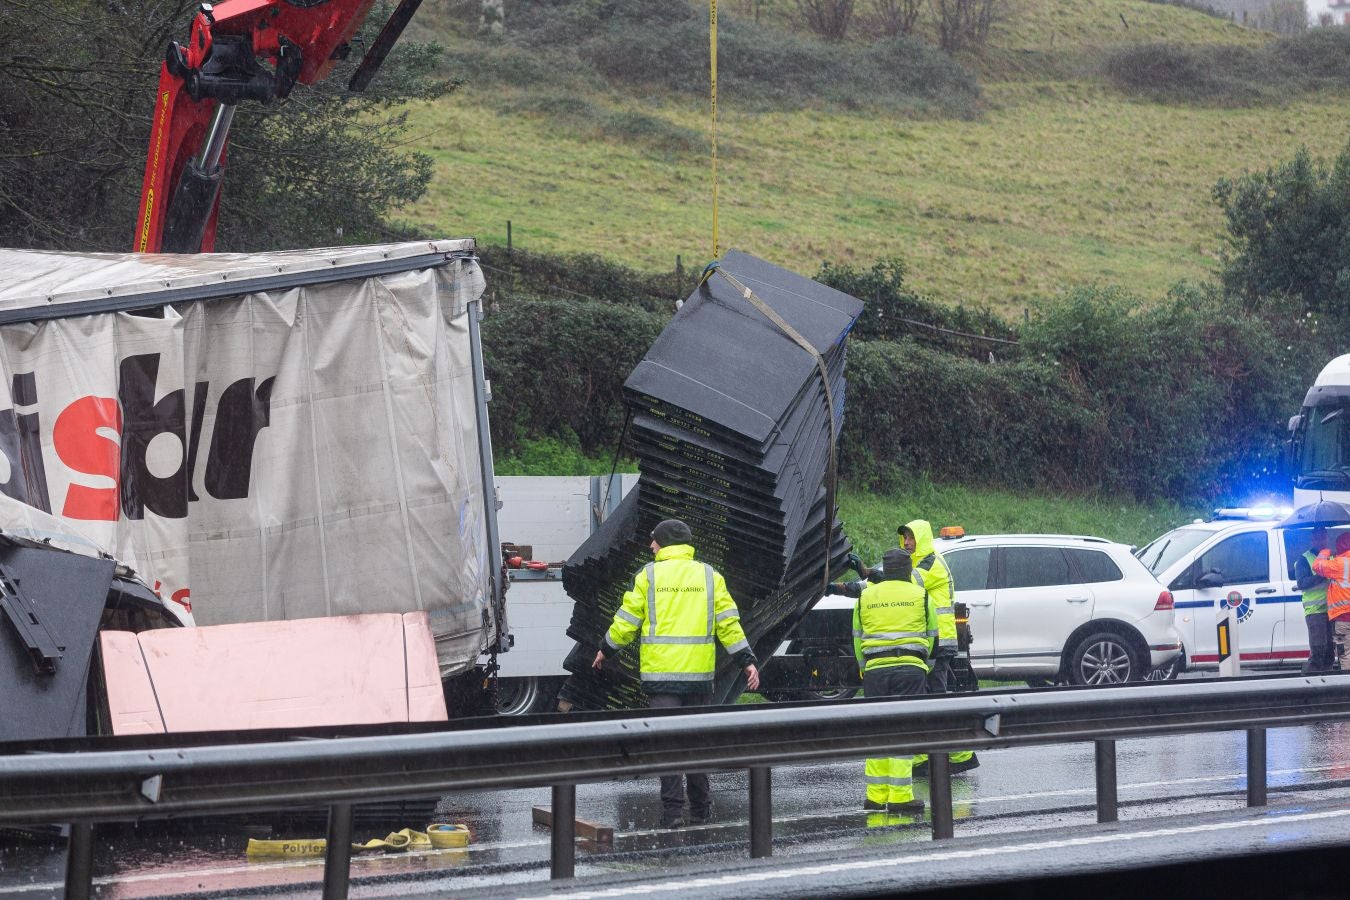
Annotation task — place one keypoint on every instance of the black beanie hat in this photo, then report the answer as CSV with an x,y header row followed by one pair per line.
x,y
897,565
672,531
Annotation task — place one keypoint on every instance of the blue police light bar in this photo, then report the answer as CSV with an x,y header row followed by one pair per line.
x,y
1259,513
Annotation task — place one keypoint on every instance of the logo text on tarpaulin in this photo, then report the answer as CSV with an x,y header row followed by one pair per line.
x,y
108,439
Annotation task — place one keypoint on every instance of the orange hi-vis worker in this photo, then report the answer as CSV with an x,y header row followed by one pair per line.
x,y
1336,569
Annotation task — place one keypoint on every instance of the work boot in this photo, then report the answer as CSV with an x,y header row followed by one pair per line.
x,y
909,807
873,806
966,765
702,817
672,821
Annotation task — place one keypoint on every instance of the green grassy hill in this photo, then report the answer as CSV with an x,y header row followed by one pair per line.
x,y
1058,179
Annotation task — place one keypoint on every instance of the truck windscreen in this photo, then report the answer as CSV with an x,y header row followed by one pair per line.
x,y
1324,460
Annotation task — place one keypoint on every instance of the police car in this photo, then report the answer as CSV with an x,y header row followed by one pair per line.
x,y
1239,559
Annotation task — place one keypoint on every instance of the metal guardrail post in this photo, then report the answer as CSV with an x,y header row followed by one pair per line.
x,y
761,812
940,793
563,841
1107,801
1256,767
80,861
337,864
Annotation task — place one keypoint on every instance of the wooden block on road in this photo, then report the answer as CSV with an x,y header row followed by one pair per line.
x,y
600,834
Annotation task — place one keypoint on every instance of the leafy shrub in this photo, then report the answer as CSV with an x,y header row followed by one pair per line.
x,y
1188,395
558,368
914,409
1321,56
664,44
1216,75
1185,398
1232,75
893,311
1289,233
582,276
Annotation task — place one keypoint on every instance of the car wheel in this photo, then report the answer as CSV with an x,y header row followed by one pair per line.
x,y
1168,671
1105,657
517,696
843,693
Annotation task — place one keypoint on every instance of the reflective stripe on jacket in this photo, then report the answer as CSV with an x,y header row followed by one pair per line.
x,y
1337,570
931,574
1314,598
677,608
893,625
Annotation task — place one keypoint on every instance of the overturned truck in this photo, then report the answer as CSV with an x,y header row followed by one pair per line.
x,y
735,415
255,438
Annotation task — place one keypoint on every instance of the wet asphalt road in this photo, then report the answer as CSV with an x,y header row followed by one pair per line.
x,y
816,811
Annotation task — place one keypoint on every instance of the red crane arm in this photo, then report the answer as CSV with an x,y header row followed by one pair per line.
x,y
202,82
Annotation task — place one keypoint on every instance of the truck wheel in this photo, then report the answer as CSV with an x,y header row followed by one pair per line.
x,y
1105,657
843,693
518,696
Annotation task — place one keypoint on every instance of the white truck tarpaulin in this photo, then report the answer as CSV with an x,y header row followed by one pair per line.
x,y
306,447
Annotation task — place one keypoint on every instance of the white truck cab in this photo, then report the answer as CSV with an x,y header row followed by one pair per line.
x,y
1319,442
1238,558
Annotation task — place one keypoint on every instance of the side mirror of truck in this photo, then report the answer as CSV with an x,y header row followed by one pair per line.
x,y
1211,579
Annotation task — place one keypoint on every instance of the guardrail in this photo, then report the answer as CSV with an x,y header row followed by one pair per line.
x,y
87,787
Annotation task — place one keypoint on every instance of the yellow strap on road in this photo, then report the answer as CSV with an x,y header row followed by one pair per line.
x,y
436,837
712,46
446,836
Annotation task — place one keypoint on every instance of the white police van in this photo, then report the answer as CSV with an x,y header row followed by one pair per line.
x,y
1238,558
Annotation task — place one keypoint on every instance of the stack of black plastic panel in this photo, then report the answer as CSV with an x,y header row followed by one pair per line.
x,y
732,427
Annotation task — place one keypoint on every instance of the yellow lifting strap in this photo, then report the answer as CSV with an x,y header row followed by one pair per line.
x,y
436,837
832,464
712,46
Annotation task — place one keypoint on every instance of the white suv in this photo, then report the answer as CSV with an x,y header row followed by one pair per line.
x,y
1056,607
1238,558
1043,608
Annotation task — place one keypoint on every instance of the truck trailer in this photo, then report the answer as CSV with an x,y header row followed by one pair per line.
x,y
264,437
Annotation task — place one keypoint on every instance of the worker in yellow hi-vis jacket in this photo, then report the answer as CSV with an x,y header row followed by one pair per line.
x,y
893,626
677,608
931,573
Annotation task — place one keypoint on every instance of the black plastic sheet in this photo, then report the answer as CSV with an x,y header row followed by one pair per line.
x,y
68,593
731,428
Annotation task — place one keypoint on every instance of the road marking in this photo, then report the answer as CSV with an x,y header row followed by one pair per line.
x,y
686,885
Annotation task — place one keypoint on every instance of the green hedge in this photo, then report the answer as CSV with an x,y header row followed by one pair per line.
x,y
582,276
1183,397
913,410
557,369
1232,75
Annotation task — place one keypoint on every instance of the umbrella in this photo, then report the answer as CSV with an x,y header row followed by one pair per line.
x,y
1328,513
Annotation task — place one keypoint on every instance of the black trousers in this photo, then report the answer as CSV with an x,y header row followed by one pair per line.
x,y
894,681
672,786
1321,643
940,673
